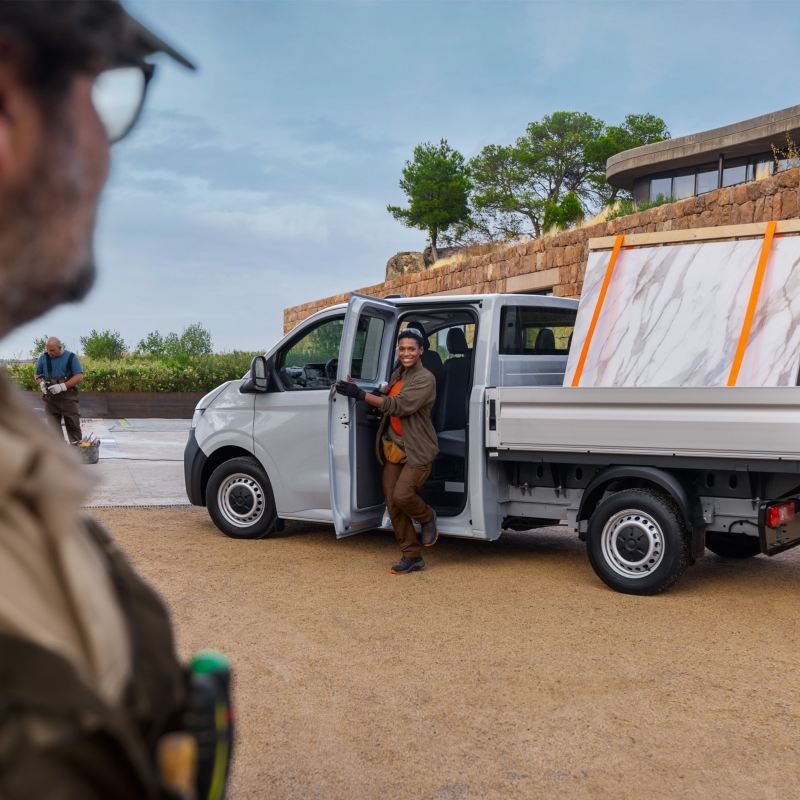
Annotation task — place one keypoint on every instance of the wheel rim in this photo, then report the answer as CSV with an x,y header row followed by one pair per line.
x,y
240,499
633,543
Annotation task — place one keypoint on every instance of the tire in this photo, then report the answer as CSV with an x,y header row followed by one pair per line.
x,y
638,542
239,499
733,545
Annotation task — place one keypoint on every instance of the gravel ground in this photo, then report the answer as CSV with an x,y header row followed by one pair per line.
x,y
505,670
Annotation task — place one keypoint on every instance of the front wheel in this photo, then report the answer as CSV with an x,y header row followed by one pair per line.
x,y
239,499
638,542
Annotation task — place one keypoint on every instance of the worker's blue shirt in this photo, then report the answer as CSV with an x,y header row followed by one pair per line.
x,y
59,365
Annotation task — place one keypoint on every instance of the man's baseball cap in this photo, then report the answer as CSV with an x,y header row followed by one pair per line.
x,y
145,42
79,31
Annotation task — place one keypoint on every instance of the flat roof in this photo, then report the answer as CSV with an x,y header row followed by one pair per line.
x,y
744,138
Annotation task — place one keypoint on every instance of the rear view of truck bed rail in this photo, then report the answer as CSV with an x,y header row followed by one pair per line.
x,y
753,424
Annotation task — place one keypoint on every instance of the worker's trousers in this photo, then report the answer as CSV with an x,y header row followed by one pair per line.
x,y
65,406
401,483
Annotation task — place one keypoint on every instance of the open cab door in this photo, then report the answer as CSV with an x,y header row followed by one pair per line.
x,y
366,354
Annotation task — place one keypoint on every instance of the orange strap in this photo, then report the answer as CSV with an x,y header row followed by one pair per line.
x,y
600,300
395,422
753,303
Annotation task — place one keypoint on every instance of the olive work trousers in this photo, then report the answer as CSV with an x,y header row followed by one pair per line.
x,y
65,406
401,483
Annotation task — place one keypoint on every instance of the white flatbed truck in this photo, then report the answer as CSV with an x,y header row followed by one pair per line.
x,y
647,477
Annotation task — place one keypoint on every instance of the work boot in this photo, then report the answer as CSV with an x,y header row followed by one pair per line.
x,y
428,534
408,564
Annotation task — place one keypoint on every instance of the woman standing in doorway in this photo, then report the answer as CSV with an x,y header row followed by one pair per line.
x,y
406,447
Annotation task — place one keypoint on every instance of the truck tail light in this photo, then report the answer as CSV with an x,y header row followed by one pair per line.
x,y
780,514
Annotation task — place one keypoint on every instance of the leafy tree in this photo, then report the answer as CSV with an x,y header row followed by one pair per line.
x,y
636,131
104,344
437,185
195,341
563,214
39,345
151,345
517,186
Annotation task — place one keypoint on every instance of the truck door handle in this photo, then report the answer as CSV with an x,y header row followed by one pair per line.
x,y
492,415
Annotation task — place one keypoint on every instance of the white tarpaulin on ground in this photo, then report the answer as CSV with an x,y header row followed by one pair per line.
x,y
673,315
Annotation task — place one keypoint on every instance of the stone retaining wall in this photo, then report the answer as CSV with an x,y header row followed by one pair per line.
x,y
558,262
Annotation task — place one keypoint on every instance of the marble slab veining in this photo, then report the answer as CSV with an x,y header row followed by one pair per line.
x,y
673,315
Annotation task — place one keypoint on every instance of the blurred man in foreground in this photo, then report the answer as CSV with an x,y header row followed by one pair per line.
x,y
89,680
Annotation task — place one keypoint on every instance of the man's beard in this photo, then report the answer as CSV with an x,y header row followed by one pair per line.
x,y
46,232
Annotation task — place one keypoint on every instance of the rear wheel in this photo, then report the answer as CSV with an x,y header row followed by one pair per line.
x,y
239,499
638,542
733,545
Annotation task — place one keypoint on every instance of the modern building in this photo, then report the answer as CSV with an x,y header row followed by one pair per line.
x,y
702,162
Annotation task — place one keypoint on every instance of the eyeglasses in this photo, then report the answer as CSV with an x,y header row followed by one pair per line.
x,y
118,97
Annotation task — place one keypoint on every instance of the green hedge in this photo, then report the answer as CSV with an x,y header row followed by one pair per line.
x,y
200,374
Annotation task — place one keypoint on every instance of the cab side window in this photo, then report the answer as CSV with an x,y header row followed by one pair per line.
x,y
310,362
532,331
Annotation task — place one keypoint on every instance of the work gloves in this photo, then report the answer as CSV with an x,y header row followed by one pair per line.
x,y
57,388
43,387
350,390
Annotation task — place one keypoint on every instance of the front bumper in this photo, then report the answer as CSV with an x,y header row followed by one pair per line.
x,y
194,460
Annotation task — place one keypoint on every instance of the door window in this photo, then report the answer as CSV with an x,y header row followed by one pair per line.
x,y
367,348
311,361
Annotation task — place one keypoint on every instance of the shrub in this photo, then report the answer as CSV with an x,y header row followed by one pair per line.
x,y
103,345
152,345
195,341
627,206
148,375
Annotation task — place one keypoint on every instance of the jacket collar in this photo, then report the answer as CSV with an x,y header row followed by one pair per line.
x,y
402,372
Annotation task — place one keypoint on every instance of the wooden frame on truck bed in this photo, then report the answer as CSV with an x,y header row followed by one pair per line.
x,y
750,230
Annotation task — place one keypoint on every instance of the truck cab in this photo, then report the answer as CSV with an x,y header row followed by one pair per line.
x,y
284,445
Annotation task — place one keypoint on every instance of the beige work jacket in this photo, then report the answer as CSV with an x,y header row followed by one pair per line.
x,y
413,405
55,588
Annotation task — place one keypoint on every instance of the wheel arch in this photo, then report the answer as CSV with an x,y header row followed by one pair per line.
x,y
222,455
641,477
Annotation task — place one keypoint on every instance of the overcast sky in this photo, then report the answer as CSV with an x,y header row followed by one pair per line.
x,y
261,181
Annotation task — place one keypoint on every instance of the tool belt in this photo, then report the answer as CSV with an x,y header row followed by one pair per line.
x,y
394,448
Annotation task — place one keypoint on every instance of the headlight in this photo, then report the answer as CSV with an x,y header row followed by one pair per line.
x,y
198,412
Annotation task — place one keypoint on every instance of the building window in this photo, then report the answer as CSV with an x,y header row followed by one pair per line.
x,y
734,172
683,186
763,168
787,163
707,181
705,178
660,187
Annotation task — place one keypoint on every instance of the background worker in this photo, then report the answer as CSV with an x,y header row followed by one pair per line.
x,y
58,373
89,679
406,446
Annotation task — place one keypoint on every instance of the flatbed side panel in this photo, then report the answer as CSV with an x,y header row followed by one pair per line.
x,y
736,423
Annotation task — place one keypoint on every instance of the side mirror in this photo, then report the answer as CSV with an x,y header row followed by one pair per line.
x,y
257,380
259,373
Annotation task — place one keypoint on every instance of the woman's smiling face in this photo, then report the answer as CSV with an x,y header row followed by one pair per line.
x,y
408,351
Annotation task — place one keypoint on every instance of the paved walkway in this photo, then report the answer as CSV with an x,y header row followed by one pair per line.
x,y
141,462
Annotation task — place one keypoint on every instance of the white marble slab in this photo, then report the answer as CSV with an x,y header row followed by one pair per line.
x,y
673,315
